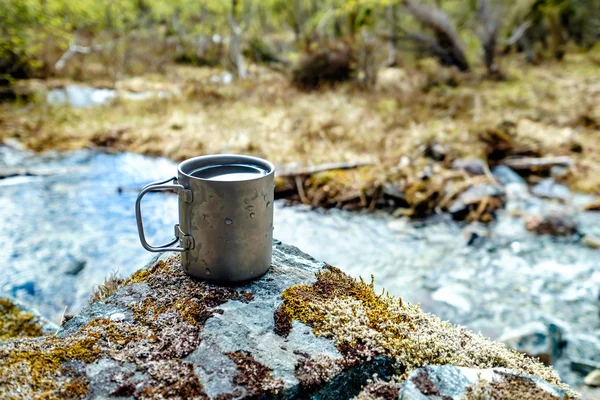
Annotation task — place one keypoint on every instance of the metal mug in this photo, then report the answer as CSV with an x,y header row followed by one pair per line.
x,y
225,228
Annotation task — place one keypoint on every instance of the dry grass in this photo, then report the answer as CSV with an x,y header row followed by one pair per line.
x,y
552,109
105,290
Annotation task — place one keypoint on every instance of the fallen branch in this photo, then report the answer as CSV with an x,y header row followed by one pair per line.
x,y
322,168
14,172
519,32
528,163
74,48
463,187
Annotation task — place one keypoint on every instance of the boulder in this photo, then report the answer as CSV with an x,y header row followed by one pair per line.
x,y
303,330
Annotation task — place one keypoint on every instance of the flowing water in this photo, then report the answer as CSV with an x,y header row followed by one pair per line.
x,y
85,96
61,234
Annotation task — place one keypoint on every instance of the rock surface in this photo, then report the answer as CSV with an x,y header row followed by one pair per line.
x,y
304,330
455,383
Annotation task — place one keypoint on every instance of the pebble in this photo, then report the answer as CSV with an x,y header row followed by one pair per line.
x,y
473,166
593,378
504,175
551,190
117,317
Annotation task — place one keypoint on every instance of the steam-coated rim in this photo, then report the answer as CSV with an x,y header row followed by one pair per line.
x,y
192,164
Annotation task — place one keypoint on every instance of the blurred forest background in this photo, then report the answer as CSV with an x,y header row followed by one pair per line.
x,y
40,37
400,89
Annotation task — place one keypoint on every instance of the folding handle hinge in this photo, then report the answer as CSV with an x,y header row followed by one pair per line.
x,y
186,195
186,241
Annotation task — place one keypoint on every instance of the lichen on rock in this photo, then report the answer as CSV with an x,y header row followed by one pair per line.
x,y
312,372
364,324
448,382
377,389
511,388
254,376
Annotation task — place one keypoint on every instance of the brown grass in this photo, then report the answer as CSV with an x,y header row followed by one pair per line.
x,y
551,109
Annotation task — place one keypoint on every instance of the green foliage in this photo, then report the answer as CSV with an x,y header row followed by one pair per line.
x,y
35,33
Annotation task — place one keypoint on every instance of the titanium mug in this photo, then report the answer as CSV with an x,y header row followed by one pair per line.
x,y
225,228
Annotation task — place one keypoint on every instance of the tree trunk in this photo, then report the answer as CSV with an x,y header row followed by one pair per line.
x,y
449,49
392,43
488,36
235,44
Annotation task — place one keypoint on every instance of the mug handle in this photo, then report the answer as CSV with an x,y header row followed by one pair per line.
x,y
159,186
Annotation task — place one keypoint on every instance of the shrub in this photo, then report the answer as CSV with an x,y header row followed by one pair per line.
x,y
327,64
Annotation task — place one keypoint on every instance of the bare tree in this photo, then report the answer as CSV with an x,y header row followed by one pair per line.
x,y
235,43
488,35
392,20
446,45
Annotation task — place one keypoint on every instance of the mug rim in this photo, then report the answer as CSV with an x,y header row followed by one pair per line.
x,y
256,161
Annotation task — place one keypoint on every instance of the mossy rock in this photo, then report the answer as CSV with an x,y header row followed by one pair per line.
x,y
17,320
303,330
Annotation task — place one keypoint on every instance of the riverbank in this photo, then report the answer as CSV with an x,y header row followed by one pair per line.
x,y
413,128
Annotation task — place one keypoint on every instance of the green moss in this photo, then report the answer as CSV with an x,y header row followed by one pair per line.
x,y
15,324
363,325
112,332
142,275
304,302
37,367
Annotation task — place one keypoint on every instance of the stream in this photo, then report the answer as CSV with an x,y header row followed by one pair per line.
x,y
62,234
85,96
